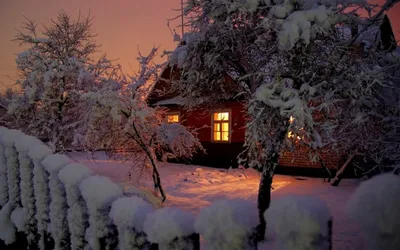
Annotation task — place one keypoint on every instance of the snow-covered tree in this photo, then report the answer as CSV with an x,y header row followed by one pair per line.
x,y
56,67
121,119
298,64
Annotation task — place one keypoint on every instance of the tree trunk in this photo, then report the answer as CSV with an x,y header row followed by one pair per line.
x,y
339,175
264,193
325,168
264,190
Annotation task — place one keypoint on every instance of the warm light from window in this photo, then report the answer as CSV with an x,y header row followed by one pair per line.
x,y
290,134
221,126
224,116
173,118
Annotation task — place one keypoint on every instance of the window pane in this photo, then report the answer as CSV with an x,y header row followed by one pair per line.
x,y
217,136
217,127
225,136
173,118
224,116
225,126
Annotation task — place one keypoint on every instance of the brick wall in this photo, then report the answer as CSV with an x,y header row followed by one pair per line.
x,y
300,158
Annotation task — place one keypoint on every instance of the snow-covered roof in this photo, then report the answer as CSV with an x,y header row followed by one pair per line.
x,y
173,101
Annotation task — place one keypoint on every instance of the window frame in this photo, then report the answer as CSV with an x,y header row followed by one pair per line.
x,y
229,111
174,113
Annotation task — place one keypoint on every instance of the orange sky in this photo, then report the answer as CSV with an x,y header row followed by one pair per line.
x,y
121,25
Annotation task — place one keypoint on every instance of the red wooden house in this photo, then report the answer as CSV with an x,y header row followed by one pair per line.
x,y
221,129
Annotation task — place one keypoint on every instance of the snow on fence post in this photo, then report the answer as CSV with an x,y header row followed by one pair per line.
x,y
375,205
172,229
41,191
129,214
3,171
99,192
26,185
71,176
228,224
7,232
11,211
300,223
58,226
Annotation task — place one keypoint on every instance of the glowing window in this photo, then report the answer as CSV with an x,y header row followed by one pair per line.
x,y
221,129
173,118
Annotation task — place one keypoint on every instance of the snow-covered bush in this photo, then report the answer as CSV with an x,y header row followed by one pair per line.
x,y
71,176
228,224
300,223
58,226
3,171
27,193
41,189
123,119
375,206
171,228
129,214
99,193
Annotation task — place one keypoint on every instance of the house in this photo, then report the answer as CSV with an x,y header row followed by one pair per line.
x,y
221,129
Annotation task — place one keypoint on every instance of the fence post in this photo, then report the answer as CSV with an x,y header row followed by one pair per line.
x,y
42,193
3,171
71,176
58,203
129,214
300,223
99,192
26,185
228,224
11,210
172,229
375,206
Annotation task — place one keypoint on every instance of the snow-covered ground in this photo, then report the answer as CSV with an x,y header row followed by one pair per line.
x,y
192,187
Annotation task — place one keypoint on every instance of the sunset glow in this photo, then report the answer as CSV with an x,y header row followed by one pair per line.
x,y
122,26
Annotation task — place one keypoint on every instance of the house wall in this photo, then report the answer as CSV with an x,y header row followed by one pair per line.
x,y
224,154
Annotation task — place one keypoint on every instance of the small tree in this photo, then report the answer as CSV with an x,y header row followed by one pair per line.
x,y
53,70
288,59
119,118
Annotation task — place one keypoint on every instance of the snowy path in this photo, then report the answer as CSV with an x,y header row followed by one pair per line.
x,y
192,188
